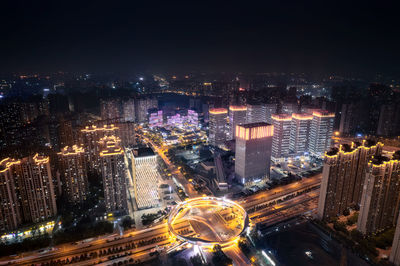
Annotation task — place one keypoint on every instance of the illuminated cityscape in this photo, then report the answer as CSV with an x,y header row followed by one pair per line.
x,y
200,134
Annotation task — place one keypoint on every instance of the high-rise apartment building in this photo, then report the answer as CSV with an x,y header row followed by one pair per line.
x,y
142,107
253,151
300,133
26,191
379,208
256,113
217,126
128,109
90,137
270,109
281,138
38,190
110,109
321,132
343,176
73,173
11,215
395,251
237,116
145,178
112,167
389,120
348,115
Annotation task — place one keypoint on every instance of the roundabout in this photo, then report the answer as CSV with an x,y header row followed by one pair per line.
x,y
212,221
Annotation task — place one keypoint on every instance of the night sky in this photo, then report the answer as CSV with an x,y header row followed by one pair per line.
x,y
301,36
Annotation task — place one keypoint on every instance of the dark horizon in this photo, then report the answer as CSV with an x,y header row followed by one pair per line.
x,y
355,38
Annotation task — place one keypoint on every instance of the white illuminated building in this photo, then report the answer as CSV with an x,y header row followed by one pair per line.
x,y
145,178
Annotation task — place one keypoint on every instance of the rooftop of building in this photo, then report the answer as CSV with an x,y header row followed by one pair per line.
x,y
218,111
281,117
322,113
258,124
378,159
332,151
302,116
238,108
143,152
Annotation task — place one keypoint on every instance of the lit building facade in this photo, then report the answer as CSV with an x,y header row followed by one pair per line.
x,y
156,119
321,132
128,109
26,192
343,177
395,251
380,199
110,109
193,118
237,116
270,109
253,151
112,167
145,178
256,113
73,173
142,107
90,137
281,138
300,133
217,126
11,215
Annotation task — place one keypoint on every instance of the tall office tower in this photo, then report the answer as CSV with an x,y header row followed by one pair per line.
x,y
10,205
142,107
128,108
237,116
281,139
381,195
218,126
343,176
90,137
112,167
321,132
270,109
73,173
300,133
389,120
256,113
109,109
145,178
253,151
156,119
395,252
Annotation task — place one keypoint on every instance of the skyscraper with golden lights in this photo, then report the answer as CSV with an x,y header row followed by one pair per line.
x,y
253,151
